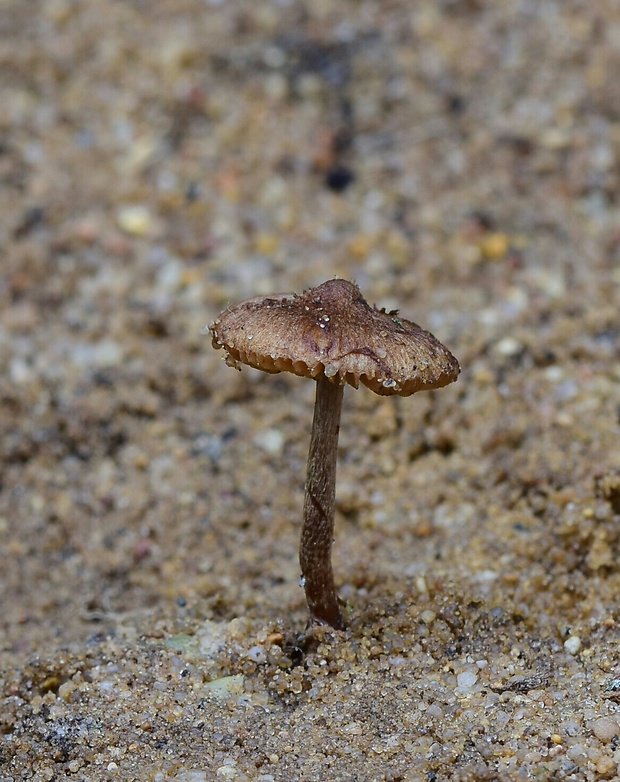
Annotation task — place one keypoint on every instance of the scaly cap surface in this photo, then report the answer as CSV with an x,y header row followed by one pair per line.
x,y
332,330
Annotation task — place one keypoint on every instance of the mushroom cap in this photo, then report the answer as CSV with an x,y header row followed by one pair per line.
x,y
331,330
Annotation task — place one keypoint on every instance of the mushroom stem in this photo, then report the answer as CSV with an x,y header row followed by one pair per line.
x,y
319,505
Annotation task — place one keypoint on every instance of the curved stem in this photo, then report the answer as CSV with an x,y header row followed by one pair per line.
x,y
319,504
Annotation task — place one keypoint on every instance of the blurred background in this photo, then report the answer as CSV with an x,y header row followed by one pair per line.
x,y
159,160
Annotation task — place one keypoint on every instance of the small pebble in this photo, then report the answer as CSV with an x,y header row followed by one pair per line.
x,y
604,765
226,685
270,440
105,353
19,371
191,775
605,728
573,644
494,245
134,219
509,346
466,679
428,616
257,654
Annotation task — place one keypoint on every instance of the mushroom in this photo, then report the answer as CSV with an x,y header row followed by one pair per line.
x,y
330,333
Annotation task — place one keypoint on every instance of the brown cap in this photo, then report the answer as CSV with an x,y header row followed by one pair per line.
x,y
331,330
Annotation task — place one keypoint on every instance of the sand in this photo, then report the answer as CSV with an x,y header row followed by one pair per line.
x,y
161,160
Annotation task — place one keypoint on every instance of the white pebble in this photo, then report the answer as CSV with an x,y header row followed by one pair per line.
x,y
466,680
509,346
428,616
577,753
270,440
19,371
257,654
605,728
191,776
226,772
573,644
169,276
105,353
134,219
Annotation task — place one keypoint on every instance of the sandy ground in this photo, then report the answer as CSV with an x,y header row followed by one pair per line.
x,y
158,160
